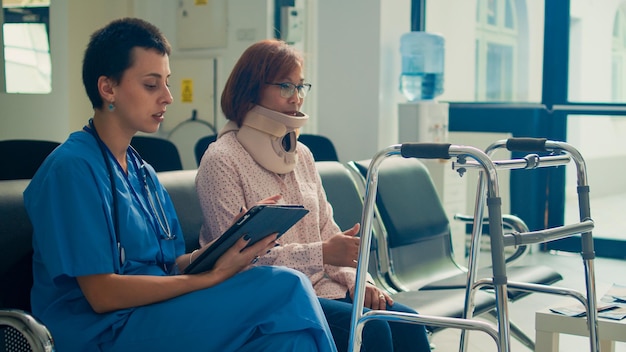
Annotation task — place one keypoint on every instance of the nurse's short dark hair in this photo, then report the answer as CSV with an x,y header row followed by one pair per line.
x,y
110,48
262,62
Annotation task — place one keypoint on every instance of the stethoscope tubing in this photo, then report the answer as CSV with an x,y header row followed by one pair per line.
x,y
163,224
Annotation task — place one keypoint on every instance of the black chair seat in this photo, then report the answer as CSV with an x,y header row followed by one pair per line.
x,y
536,274
448,303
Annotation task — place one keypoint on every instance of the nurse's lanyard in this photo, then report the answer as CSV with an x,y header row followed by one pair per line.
x,y
159,215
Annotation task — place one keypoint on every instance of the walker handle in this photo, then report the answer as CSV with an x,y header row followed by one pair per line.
x,y
526,144
425,150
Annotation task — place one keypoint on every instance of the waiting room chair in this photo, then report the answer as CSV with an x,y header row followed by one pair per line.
x,y
181,187
343,194
161,153
202,144
19,330
20,158
414,219
322,148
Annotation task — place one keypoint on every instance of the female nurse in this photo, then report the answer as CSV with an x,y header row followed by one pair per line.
x,y
108,247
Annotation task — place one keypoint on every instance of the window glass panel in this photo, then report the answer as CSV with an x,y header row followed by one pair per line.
x,y
597,62
598,139
617,89
499,72
597,51
507,33
509,17
492,12
27,63
618,83
26,58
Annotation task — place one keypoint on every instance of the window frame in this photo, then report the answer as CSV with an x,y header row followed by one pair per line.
x,y
537,197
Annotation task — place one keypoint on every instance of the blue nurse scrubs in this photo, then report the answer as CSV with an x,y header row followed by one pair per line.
x,y
70,204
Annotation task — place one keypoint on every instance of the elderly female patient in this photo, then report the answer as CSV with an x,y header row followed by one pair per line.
x,y
257,155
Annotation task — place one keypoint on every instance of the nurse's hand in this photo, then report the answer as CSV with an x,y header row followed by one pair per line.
x,y
238,257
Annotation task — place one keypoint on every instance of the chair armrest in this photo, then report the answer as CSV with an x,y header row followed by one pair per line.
x,y
21,327
511,223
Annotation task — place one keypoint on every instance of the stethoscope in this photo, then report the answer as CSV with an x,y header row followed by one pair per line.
x,y
146,178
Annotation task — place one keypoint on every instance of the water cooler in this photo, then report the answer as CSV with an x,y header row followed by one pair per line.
x,y
424,119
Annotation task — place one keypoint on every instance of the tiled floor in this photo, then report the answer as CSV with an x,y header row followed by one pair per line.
x,y
607,271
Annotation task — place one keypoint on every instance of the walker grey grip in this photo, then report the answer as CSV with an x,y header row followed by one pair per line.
x,y
426,150
526,144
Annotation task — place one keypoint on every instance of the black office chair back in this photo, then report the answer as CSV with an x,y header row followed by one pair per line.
x,y
20,158
19,330
417,227
161,153
202,144
16,249
322,148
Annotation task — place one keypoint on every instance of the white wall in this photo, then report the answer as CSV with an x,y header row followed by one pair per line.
x,y
248,22
41,116
358,68
53,116
242,28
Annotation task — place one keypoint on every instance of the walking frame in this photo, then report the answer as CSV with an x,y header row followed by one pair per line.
x,y
560,154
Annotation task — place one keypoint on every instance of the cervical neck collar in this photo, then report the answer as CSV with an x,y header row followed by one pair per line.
x,y
270,137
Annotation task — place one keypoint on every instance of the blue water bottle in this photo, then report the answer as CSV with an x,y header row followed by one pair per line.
x,y
422,65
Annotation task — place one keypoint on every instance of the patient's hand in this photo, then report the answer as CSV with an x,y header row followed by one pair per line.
x,y
342,249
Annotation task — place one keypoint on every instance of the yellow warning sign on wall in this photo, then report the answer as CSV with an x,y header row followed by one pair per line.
x,y
186,91
201,2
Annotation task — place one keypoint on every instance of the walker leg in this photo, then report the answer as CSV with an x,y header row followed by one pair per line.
x,y
516,332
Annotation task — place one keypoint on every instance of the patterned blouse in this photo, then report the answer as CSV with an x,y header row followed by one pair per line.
x,y
228,178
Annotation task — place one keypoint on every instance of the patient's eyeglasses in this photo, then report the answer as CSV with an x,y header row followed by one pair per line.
x,y
287,89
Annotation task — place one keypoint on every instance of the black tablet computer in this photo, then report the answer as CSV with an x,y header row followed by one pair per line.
x,y
258,222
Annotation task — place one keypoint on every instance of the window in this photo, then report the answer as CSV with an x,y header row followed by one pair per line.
x,y
595,124
493,55
580,90
27,63
618,62
497,52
